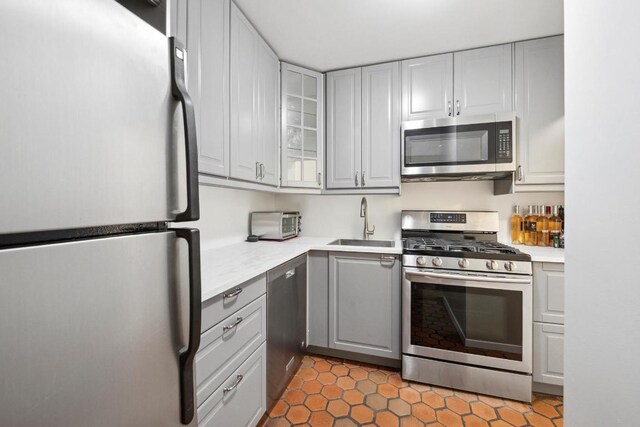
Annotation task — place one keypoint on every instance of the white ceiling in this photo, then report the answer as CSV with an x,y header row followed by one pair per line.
x,y
330,34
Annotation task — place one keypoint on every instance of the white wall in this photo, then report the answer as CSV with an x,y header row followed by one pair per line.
x,y
224,214
602,102
340,215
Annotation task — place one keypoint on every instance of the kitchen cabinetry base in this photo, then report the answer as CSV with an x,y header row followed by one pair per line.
x,y
555,390
357,357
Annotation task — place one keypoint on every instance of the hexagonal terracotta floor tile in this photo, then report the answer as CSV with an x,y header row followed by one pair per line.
x,y
518,406
420,388
344,422
466,396
538,420
545,409
432,399
449,418
500,423
361,414
327,378
312,387
338,408
279,409
339,370
322,366
316,402
308,374
397,381
353,397
483,410
410,395
331,391
358,374
346,383
457,405
298,414
512,416
296,382
410,421
423,412
474,421
444,392
387,419
321,419
388,390
366,386
399,407
294,397
378,377
376,402
491,401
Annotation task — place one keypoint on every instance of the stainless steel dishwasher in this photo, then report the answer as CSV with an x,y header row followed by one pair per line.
x,y
286,324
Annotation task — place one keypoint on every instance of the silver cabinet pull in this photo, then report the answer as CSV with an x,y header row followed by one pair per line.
x,y
356,178
387,259
257,170
362,178
519,172
261,170
239,320
458,107
290,273
449,108
319,179
235,292
233,387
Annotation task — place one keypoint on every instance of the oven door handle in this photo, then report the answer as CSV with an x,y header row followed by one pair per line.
x,y
422,275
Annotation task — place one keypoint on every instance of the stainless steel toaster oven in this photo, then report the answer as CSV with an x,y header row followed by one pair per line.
x,y
275,225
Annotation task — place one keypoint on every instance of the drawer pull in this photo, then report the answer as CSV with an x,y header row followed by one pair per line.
x,y
239,320
290,273
236,292
233,387
387,259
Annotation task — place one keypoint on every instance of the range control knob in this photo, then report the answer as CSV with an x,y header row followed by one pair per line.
x,y
436,261
421,260
510,266
492,265
463,263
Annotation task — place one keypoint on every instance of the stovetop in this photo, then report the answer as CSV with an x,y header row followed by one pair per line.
x,y
456,246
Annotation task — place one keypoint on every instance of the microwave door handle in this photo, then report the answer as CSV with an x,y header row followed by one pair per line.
x,y
422,275
179,91
187,354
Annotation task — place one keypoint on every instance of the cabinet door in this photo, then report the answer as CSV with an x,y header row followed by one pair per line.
x,y
548,353
343,128
302,127
268,113
364,304
540,108
208,81
548,292
483,80
427,87
244,115
381,125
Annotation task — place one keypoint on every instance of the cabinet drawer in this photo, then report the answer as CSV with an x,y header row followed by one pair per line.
x,y
225,304
224,347
548,292
246,403
548,353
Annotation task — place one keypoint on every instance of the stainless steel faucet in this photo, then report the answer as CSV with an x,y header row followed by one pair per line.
x,y
365,214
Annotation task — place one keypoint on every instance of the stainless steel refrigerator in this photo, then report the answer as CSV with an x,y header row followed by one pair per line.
x,y
99,296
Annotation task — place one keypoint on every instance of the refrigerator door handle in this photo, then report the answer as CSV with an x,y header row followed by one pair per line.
x,y
188,353
179,91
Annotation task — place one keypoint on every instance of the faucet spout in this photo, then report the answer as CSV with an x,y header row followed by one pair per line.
x,y
364,213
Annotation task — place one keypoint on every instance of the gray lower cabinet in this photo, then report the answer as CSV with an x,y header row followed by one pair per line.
x,y
548,325
364,303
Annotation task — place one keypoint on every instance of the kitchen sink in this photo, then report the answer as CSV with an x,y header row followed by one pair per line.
x,y
360,242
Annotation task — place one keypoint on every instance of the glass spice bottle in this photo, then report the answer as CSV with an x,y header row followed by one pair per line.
x,y
517,227
542,227
530,224
555,227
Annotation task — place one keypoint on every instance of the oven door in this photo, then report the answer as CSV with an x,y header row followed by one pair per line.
x,y
481,320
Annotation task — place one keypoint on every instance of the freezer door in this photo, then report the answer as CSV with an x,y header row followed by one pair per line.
x,y
91,134
90,332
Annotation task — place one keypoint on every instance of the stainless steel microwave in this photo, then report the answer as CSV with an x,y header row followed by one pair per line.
x,y
467,147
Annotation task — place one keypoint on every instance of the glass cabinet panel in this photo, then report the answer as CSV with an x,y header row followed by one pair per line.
x,y
302,117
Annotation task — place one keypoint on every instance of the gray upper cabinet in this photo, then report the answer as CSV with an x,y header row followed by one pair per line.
x,y
539,82
363,127
483,80
427,87
207,32
344,141
254,104
364,304
381,125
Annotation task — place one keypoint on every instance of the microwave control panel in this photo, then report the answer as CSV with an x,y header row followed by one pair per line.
x,y
504,151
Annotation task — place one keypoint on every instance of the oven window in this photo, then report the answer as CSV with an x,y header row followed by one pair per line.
x,y
480,321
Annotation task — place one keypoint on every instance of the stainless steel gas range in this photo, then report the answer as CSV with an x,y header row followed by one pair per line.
x,y
466,305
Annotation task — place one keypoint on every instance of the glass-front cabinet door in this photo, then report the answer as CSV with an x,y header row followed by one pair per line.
x,y
302,127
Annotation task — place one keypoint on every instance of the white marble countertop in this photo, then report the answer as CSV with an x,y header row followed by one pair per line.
x,y
230,265
542,254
